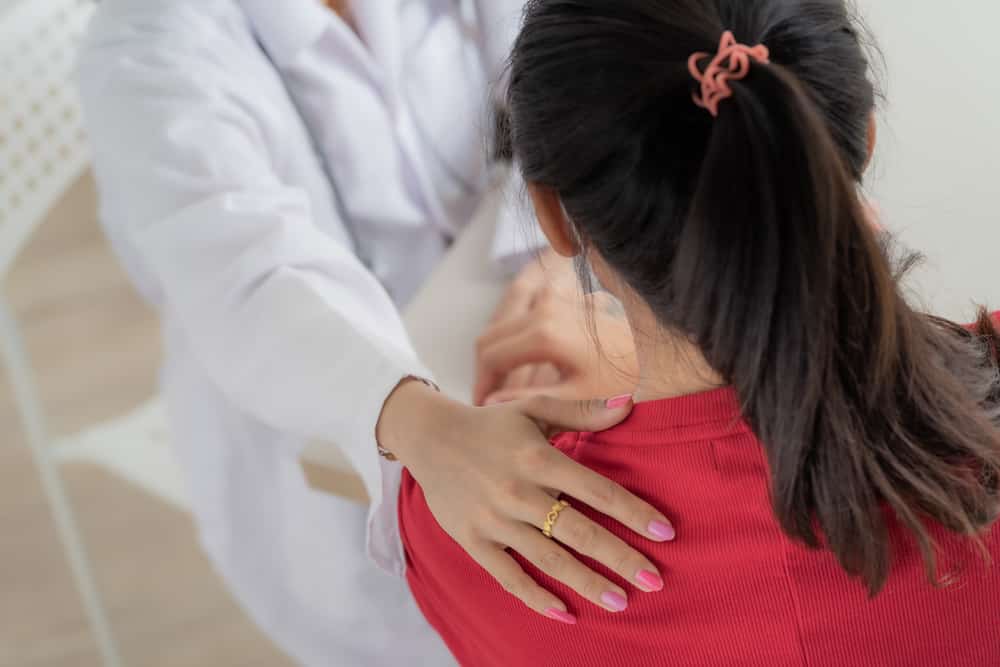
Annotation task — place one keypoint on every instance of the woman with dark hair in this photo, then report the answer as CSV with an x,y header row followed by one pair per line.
x,y
832,456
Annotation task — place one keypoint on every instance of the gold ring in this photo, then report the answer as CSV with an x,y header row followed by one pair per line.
x,y
552,517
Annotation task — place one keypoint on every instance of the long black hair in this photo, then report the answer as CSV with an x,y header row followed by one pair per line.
x,y
745,233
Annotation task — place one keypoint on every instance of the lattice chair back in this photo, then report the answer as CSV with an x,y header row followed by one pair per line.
x,y
43,148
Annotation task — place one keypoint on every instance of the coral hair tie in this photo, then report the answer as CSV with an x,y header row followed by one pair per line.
x,y
731,63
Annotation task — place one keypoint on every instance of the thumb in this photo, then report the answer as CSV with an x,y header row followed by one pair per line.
x,y
555,415
560,391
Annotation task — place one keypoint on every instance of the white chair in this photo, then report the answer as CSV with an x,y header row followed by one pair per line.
x,y
42,152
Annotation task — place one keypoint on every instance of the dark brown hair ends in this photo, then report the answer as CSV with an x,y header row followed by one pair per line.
x,y
746,234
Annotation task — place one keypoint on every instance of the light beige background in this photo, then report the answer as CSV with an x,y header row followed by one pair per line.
x,y
939,155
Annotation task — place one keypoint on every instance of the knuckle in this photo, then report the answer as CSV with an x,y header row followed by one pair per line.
x,y
464,534
467,533
584,536
511,490
518,586
638,518
533,458
548,333
539,406
486,518
509,585
625,564
545,302
606,494
552,562
593,588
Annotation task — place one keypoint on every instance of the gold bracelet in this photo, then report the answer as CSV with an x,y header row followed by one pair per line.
x,y
382,451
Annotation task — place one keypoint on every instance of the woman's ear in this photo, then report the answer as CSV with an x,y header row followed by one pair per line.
x,y
552,219
872,138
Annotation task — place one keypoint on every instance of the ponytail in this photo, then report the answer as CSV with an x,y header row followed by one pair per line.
x,y
861,403
735,217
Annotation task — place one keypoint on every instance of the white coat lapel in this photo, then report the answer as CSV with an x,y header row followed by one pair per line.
x,y
378,25
446,87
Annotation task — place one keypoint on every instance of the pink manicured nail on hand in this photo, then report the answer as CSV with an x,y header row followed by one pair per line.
x,y
618,401
663,531
561,616
615,601
649,581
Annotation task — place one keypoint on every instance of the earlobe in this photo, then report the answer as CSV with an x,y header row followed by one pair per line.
x,y
553,221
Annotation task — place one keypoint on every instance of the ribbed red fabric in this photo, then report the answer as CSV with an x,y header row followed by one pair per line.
x,y
738,591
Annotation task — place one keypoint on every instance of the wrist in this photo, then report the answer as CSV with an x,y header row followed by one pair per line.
x,y
407,415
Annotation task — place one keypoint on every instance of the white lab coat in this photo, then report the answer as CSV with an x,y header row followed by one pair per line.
x,y
218,128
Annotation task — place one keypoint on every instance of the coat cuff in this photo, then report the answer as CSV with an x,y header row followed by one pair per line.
x,y
380,476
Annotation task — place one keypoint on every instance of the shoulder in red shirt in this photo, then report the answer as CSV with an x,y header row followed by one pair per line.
x,y
738,591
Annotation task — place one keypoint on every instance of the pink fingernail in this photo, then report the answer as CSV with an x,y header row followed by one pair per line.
x,y
618,401
650,581
614,601
662,530
561,616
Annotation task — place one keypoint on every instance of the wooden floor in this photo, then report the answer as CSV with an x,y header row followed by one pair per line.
x,y
94,346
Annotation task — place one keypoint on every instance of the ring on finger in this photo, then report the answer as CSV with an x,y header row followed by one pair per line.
x,y
552,517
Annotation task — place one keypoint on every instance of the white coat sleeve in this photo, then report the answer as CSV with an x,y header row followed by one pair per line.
x,y
287,322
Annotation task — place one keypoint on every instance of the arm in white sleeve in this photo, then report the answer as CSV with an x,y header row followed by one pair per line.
x,y
287,322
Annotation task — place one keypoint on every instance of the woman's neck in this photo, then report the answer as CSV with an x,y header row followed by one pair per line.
x,y
669,365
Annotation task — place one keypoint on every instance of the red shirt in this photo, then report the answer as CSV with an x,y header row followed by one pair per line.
x,y
738,591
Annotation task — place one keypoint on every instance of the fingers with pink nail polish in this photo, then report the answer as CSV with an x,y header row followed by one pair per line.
x,y
614,601
662,531
649,581
618,401
561,616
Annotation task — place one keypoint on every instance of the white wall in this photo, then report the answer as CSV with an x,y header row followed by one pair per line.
x,y
938,162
